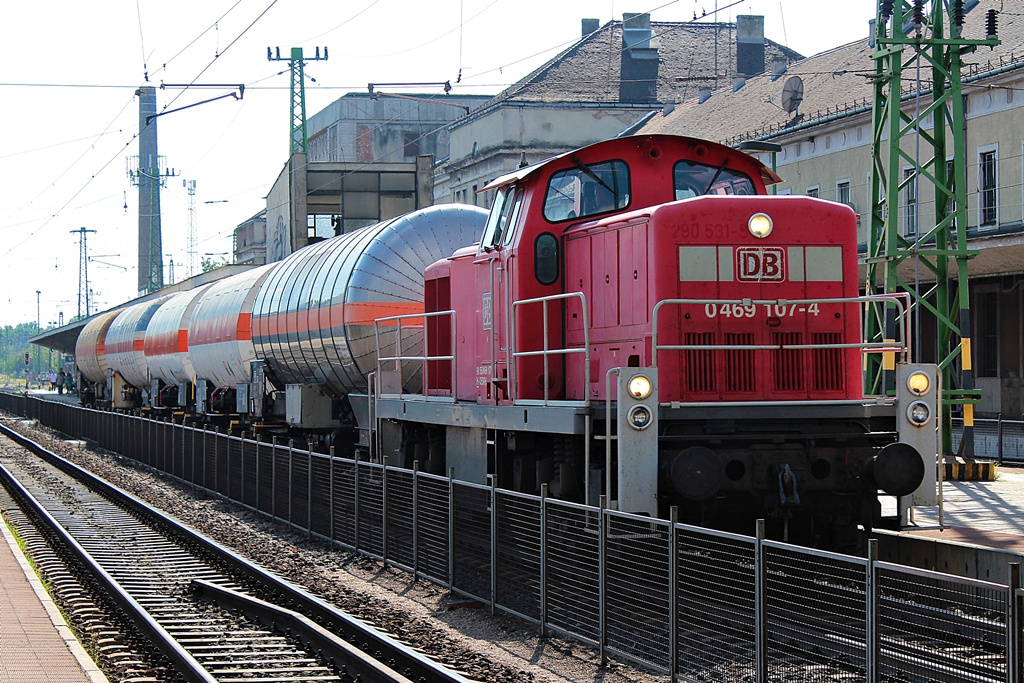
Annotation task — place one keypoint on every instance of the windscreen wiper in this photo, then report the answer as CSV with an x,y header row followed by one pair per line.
x,y
717,174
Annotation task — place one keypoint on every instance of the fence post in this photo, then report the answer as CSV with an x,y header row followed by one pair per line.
x,y
291,479
256,460
355,489
416,520
543,559
601,569
273,477
330,485
871,638
309,489
999,437
492,480
205,456
673,592
1013,626
760,595
451,529
241,467
384,510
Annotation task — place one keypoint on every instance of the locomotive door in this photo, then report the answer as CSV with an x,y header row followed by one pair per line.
x,y
494,288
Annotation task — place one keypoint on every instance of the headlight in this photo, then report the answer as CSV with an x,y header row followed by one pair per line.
x,y
760,225
639,387
639,417
919,413
918,383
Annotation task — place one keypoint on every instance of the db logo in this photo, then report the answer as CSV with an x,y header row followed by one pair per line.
x,y
760,264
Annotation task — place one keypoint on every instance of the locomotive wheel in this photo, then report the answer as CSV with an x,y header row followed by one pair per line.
x,y
696,473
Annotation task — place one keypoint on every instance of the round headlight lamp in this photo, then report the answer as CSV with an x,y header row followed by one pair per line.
x,y
760,225
639,387
639,417
918,383
919,413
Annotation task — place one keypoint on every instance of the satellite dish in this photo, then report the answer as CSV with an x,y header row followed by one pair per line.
x,y
792,94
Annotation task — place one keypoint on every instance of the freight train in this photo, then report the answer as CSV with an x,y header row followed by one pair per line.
x,y
636,322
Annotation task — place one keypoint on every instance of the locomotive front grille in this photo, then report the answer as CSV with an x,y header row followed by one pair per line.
x,y
700,364
787,365
828,366
735,374
740,375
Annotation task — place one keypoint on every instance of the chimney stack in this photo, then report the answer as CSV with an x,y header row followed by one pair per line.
x,y
779,64
703,93
749,44
590,25
638,73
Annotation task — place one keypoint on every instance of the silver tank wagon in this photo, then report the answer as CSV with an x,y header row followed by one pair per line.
x,y
313,316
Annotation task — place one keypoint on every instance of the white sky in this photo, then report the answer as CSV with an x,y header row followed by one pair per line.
x,y
68,115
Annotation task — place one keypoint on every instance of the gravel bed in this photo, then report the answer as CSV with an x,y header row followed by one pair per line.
x,y
497,649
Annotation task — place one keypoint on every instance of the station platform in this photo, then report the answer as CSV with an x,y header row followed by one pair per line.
x,y
981,512
36,644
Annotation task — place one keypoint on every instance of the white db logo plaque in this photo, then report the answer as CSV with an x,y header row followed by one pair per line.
x,y
760,264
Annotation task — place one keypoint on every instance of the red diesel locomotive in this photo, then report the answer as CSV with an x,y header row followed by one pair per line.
x,y
641,321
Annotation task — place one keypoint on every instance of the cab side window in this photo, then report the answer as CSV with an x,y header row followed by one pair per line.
x,y
502,218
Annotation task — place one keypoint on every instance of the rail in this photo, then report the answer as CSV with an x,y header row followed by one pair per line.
x,y
688,601
748,307
546,352
425,360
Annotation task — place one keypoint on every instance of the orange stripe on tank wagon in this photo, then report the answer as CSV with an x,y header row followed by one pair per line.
x,y
325,317
365,312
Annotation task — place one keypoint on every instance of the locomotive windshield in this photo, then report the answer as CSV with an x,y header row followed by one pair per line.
x,y
587,190
693,180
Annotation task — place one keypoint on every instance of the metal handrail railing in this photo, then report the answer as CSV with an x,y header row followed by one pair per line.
x,y
425,359
546,352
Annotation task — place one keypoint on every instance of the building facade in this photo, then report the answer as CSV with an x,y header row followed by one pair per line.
x,y
826,151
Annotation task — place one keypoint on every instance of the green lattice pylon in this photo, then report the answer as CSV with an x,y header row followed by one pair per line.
x,y
918,142
297,140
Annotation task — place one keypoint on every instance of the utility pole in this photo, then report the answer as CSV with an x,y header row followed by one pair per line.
x,y
190,186
298,143
83,270
907,38
149,179
38,330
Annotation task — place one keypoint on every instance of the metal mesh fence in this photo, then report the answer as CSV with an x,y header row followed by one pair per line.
x,y
321,495
371,508
401,518
931,624
471,540
433,523
715,605
637,590
673,597
816,613
344,512
573,569
517,581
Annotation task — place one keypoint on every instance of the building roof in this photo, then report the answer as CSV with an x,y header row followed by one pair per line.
x,y
835,83
590,71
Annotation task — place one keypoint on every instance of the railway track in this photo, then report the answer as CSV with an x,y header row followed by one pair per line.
x,y
211,615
